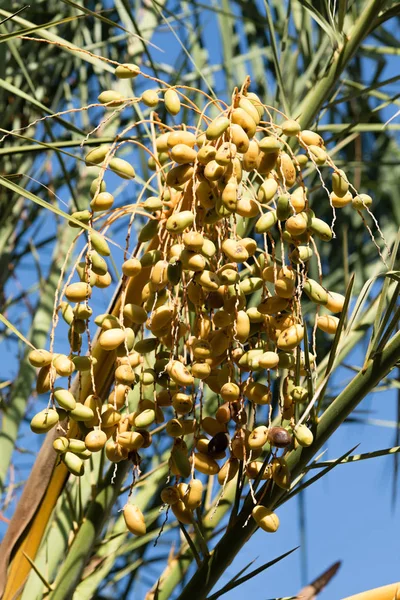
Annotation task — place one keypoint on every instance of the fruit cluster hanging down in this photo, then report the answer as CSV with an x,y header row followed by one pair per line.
x,y
215,336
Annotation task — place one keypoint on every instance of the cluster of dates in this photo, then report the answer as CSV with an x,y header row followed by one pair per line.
x,y
220,312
